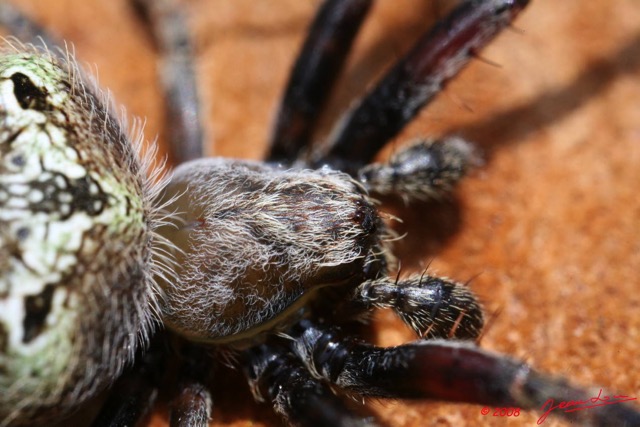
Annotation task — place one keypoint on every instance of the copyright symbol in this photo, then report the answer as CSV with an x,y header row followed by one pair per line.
x,y
484,411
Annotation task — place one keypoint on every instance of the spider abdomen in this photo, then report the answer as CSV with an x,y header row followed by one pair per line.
x,y
258,240
75,238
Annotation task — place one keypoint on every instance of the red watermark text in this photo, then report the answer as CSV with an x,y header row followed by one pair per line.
x,y
579,405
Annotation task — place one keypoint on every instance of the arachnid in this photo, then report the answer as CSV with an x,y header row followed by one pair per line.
x,y
359,213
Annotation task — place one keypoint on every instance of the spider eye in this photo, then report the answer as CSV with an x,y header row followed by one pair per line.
x,y
29,96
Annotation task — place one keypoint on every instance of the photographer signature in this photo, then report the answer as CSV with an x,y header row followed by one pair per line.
x,y
578,405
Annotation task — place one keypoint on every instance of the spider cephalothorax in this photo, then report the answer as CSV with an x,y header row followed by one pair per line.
x,y
268,262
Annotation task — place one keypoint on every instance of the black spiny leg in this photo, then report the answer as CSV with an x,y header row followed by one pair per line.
x,y
191,405
134,394
422,171
184,127
276,375
456,371
433,307
319,63
438,56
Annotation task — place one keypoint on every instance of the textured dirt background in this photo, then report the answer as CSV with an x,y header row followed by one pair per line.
x,y
548,228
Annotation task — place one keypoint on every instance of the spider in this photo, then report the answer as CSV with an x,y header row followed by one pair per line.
x,y
311,327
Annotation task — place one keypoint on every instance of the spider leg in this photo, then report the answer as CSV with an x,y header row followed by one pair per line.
x,y
437,57
426,169
167,25
444,370
130,400
322,56
133,395
192,406
433,307
276,375
192,403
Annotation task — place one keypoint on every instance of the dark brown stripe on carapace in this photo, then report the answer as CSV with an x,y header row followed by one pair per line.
x,y
37,308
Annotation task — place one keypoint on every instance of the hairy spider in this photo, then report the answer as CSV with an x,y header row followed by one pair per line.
x,y
320,311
